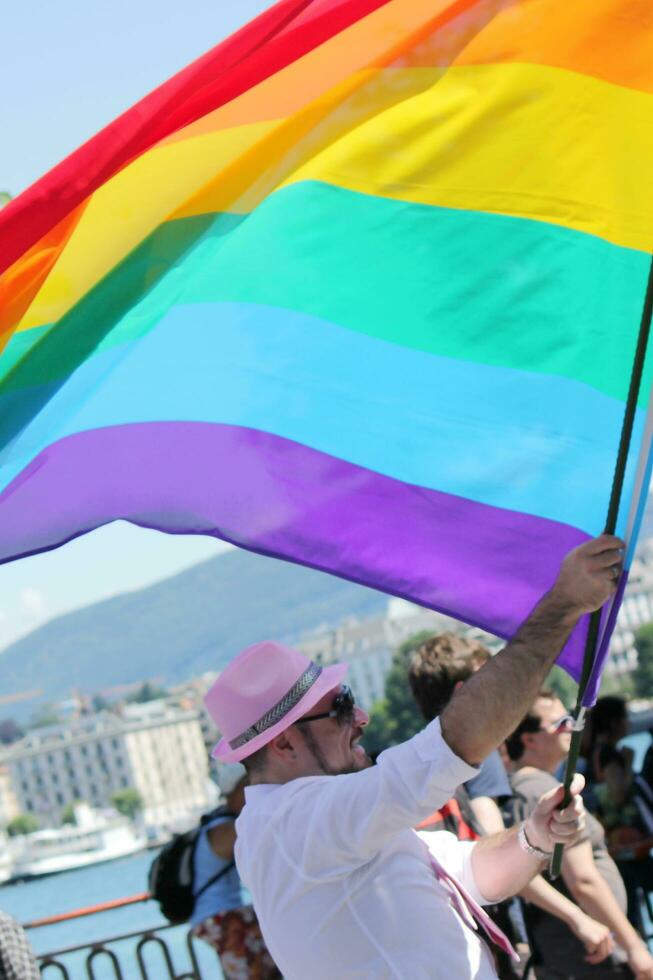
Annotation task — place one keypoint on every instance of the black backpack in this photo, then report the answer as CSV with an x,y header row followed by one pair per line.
x,y
170,878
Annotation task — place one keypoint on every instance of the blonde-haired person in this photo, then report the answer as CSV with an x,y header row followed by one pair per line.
x,y
223,915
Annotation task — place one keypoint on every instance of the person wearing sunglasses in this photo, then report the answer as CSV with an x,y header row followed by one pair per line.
x,y
342,885
437,669
589,875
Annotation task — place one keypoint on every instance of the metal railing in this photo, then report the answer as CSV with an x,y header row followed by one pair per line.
x,y
102,953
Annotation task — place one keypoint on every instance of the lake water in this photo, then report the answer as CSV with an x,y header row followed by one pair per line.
x,y
89,886
36,899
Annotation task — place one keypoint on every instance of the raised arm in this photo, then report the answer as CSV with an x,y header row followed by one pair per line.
x,y
594,936
500,864
490,705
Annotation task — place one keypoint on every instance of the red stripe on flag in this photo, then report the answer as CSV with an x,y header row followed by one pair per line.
x,y
279,36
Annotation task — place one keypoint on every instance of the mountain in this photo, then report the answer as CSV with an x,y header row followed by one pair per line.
x,y
193,622
190,623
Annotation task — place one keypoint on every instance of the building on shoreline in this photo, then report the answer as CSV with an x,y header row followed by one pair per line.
x,y
368,645
155,748
636,611
190,696
9,807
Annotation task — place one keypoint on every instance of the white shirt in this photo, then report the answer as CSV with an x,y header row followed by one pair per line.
x,y
343,887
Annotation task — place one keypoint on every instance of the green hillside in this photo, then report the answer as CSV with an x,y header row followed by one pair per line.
x,y
183,626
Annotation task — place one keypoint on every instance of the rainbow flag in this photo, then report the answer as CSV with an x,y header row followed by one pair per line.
x,y
359,289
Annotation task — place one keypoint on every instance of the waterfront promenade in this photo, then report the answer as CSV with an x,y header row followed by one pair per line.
x,y
29,901
43,897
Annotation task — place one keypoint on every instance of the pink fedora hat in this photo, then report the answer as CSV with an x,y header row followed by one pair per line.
x,y
263,691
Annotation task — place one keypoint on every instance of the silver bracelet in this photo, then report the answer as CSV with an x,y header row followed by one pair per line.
x,y
526,845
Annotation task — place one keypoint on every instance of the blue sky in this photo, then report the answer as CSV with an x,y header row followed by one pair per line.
x,y
70,67
67,69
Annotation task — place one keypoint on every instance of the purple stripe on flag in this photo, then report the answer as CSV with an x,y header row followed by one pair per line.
x,y
609,621
481,564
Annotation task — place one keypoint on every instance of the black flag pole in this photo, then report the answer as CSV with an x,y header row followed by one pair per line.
x,y
610,526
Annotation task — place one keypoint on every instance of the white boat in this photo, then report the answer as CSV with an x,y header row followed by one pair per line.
x,y
94,839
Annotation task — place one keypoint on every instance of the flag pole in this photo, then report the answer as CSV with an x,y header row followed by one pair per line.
x,y
610,526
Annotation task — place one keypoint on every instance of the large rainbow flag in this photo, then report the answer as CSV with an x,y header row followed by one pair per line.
x,y
360,289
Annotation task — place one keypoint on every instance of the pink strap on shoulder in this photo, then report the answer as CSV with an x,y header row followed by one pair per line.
x,y
470,911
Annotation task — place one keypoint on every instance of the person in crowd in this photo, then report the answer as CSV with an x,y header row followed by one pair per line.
x,y
590,877
621,799
606,725
439,666
624,802
223,915
342,884
17,960
647,765
436,670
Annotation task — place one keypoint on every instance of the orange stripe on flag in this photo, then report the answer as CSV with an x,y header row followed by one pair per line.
x,y
585,36
22,281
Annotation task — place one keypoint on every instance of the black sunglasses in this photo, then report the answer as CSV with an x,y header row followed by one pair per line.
x,y
567,721
342,710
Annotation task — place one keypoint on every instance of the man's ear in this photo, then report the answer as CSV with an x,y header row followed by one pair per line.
x,y
527,739
283,748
